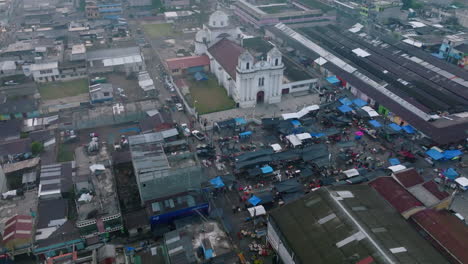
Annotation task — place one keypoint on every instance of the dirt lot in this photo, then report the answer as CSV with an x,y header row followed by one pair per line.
x,y
130,87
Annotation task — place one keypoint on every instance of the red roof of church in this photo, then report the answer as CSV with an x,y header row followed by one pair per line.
x,y
226,54
187,62
409,177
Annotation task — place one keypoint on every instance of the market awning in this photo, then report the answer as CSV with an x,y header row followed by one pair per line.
x,y
276,147
267,169
394,161
295,122
359,102
317,135
375,123
408,129
451,154
345,101
257,211
450,173
397,168
395,127
217,182
294,140
240,121
254,200
245,134
303,136
370,111
345,108
333,80
434,154
351,173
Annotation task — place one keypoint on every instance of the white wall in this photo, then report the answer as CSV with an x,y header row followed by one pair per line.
x,y
3,181
278,246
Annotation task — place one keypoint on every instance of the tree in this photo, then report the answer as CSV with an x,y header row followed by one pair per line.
x,y
37,147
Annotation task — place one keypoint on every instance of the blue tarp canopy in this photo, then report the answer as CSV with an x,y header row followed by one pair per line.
x,y
345,101
254,200
450,154
333,80
451,173
217,182
295,122
317,135
200,76
267,169
434,154
245,134
395,127
394,161
345,109
240,121
359,102
408,129
375,123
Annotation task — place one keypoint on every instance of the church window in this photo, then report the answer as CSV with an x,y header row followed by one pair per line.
x,y
214,23
276,62
247,65
261,81
222,23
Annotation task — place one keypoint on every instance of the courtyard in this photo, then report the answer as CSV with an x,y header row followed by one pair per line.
x,y
159,30
57,90
208,97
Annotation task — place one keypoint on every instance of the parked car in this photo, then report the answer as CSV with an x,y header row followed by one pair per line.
x,y
179,107
198,135
185,130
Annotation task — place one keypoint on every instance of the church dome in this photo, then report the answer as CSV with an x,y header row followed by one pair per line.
x,y
218,19
200,36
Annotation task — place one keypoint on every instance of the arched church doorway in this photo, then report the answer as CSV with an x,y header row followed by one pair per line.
x,y
260,97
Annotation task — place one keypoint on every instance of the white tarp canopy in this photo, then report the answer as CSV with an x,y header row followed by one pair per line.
x,y
304,111
370,111
462,181
351,173
257,210
276,147
413,42
303,136
122,60
356,28
397,168
97,167
294,140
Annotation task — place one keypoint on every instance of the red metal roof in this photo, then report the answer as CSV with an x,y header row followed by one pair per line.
x,y
19,226
447,230
395,194
226,54
367,260
409,177
187,62
432,187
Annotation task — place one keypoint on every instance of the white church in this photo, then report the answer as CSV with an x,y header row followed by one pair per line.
x,y
247,81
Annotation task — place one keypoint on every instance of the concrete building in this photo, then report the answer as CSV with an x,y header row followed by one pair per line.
x,y
176,3
124,60
45,72
292,13
159,175
78,52
140,3
345,224
101,92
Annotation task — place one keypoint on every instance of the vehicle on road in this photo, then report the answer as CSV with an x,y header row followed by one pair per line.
x,y
179,107
198,135
185,130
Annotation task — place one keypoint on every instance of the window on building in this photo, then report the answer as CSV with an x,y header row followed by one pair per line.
x,y
276,62
222,23
106,93
261,81
175,70
247,66
214,23
45,71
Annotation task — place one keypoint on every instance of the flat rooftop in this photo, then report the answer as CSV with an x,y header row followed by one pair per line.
x,y
322,226
104,201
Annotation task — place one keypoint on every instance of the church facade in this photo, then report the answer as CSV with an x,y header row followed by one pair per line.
x,y
247,80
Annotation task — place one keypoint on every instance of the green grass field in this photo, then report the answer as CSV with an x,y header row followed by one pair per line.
x,y
56,90
209,97
159,30
65,153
